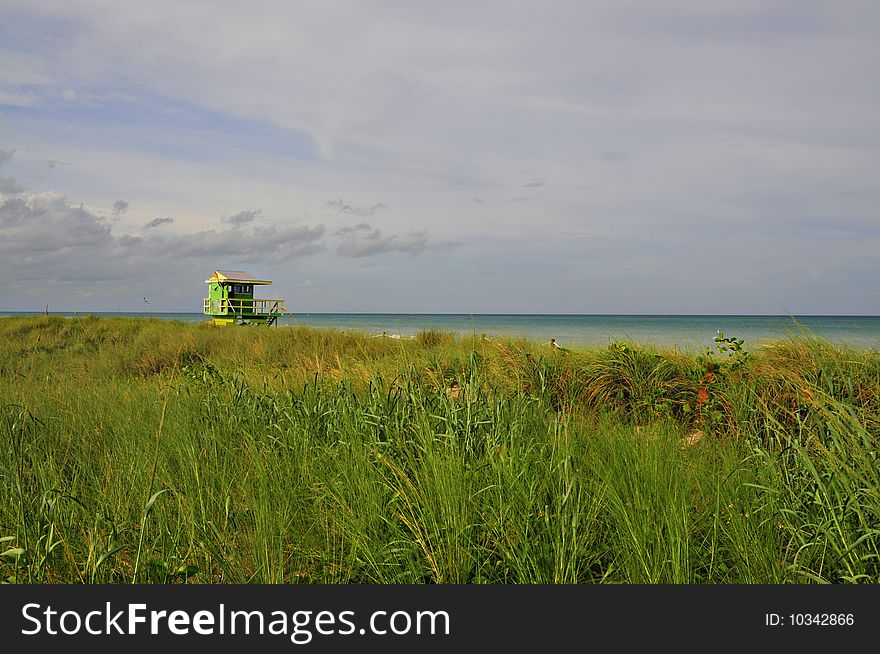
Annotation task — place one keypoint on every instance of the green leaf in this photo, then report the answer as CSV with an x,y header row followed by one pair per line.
x,y
186,570
155,497
108,554
13,551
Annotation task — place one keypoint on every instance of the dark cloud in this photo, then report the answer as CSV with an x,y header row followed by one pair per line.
x,y
120,207
339,204
45,229
155,222
359,228
8,186
344,207
364,240
5,157
44,238
242,217
261,243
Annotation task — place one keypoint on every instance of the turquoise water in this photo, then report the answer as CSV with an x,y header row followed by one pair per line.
x,y
685,332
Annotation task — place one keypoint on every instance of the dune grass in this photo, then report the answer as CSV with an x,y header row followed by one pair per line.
x,y
160,452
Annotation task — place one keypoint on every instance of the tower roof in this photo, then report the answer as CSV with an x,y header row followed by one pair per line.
x,y
235,276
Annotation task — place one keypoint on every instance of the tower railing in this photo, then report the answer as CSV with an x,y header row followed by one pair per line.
x,y
243,307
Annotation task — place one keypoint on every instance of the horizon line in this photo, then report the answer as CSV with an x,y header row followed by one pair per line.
x,y
4,312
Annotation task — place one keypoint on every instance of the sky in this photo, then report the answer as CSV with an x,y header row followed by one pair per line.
x,y
619,156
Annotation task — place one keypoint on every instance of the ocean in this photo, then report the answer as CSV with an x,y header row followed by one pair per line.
x,y
688,333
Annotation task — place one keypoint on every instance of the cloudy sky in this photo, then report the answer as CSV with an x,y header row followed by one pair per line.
x,y
411,156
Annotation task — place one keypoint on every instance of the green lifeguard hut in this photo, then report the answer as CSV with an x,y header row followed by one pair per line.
x,y
231,300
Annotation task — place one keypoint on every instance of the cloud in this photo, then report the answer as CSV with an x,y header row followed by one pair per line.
x,y
344,207
155,222
8,186
364,240
5,157
261,243
359,228
44,238
242,217
120,207
43,235
18,98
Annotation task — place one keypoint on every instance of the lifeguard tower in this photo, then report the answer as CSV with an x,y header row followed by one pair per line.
x,y
231,300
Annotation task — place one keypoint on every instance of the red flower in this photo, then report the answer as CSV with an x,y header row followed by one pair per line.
x,y
702,396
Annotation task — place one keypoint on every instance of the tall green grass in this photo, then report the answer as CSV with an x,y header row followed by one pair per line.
x,y
159,452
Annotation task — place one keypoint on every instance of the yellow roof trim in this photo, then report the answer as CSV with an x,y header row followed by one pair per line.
x,y
235,276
